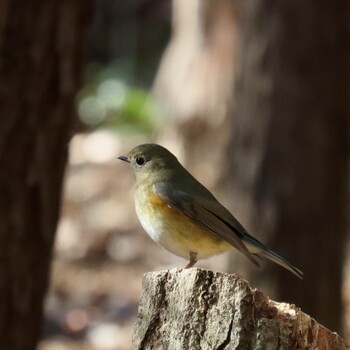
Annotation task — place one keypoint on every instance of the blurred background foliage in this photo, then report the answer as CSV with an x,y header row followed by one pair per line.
x,y
109,100
125,47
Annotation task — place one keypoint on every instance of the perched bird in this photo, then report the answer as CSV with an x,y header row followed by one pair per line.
x,y
181,215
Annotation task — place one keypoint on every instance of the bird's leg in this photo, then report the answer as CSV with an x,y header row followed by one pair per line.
x,y
192,261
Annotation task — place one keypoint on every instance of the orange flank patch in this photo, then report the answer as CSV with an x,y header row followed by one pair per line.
x,y
158,204
181,233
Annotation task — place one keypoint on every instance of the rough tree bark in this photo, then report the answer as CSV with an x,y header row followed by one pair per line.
x,y
291,144
200,309
40,57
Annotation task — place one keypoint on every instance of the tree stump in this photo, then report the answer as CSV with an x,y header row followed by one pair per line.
x,y
201,309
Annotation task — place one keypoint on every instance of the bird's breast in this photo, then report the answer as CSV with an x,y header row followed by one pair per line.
x,y
157,218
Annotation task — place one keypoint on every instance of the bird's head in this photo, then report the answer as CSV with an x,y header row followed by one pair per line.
x,y
150,161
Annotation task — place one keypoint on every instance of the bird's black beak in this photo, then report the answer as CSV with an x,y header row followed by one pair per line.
x,y
124,158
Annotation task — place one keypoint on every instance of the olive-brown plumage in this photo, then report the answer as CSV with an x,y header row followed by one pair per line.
x,y
181,215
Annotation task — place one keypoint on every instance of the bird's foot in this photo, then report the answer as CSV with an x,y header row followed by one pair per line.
x,y
192,261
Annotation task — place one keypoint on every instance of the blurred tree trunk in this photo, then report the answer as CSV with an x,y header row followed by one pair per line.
x,y
41,46
194,84
291,144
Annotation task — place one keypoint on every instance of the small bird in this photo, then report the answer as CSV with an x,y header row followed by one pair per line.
x,y
181,215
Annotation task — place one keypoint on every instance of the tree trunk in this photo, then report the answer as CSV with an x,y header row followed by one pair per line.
x,y
194,85
199,309
291,143
40,59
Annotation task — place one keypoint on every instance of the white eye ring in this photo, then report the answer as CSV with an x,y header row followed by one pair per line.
x,y
140,160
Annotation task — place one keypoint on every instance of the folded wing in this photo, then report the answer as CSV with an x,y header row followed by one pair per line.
x,y
208,213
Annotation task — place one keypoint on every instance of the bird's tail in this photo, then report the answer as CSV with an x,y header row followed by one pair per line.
x,y
271,255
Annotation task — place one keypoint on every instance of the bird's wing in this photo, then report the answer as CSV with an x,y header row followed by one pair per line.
x,y
208,213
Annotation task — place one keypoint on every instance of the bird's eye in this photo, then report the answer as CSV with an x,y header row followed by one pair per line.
x,y
140,161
